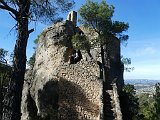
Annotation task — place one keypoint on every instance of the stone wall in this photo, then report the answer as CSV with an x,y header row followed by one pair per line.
x,y
112,59
80,91
117,102
56,89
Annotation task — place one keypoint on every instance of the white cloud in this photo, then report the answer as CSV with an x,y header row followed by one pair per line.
x,y
145,51
144,72
150,50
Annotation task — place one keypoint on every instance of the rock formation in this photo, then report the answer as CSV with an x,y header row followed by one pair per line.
x,y
57,90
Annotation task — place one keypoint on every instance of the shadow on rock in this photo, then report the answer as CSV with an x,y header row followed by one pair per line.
x,y
73,102
62,100
48,101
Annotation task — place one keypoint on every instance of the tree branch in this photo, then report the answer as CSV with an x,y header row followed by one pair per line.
x,y
30,31
2,7
17,2
12,16
95,28
6,7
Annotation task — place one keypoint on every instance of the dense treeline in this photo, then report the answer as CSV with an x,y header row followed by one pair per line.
x,y
5,72
140,107
129,102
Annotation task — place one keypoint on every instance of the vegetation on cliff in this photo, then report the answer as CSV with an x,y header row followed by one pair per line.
x,y
140,107
129,102
98,17
94,15
150,105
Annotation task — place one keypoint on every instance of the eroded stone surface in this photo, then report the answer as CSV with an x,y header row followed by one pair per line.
x,y
56,89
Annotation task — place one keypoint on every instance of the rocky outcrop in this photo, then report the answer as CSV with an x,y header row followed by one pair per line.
x,y
56,89
114,66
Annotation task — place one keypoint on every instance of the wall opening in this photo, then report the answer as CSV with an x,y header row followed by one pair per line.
x,y
75,57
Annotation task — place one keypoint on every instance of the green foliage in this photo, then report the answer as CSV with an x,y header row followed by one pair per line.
x,y
143,107
157,102
23,12
3,54
150,105
5,69
94,15
127,62
80,42
129,102
32,60
5,72
43,10
146,105
36,40
97,16
129,89
47,10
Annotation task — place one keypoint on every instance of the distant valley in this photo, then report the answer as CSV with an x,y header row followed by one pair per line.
x,y
143,85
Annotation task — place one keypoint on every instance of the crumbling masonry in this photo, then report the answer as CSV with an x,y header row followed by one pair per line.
x,y
57,90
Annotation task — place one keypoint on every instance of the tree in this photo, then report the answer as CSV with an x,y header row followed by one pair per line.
x,y
150,105
146,106
5,70
127,62
25,11
3,54
31,60
157,102
97,16
129,102
81,42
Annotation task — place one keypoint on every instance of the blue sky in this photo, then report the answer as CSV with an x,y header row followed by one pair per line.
x,y
143,46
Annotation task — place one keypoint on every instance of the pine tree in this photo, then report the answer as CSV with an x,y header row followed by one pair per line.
x,y
98,17
157,102
129,102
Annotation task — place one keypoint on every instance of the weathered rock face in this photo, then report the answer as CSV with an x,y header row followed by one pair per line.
x,y
115,67
55,89
113,58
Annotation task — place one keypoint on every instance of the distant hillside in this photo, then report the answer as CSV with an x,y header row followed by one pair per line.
x,y
141,81
143,85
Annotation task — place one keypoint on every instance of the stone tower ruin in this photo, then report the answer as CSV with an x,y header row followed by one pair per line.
x,y
57,90
72,16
